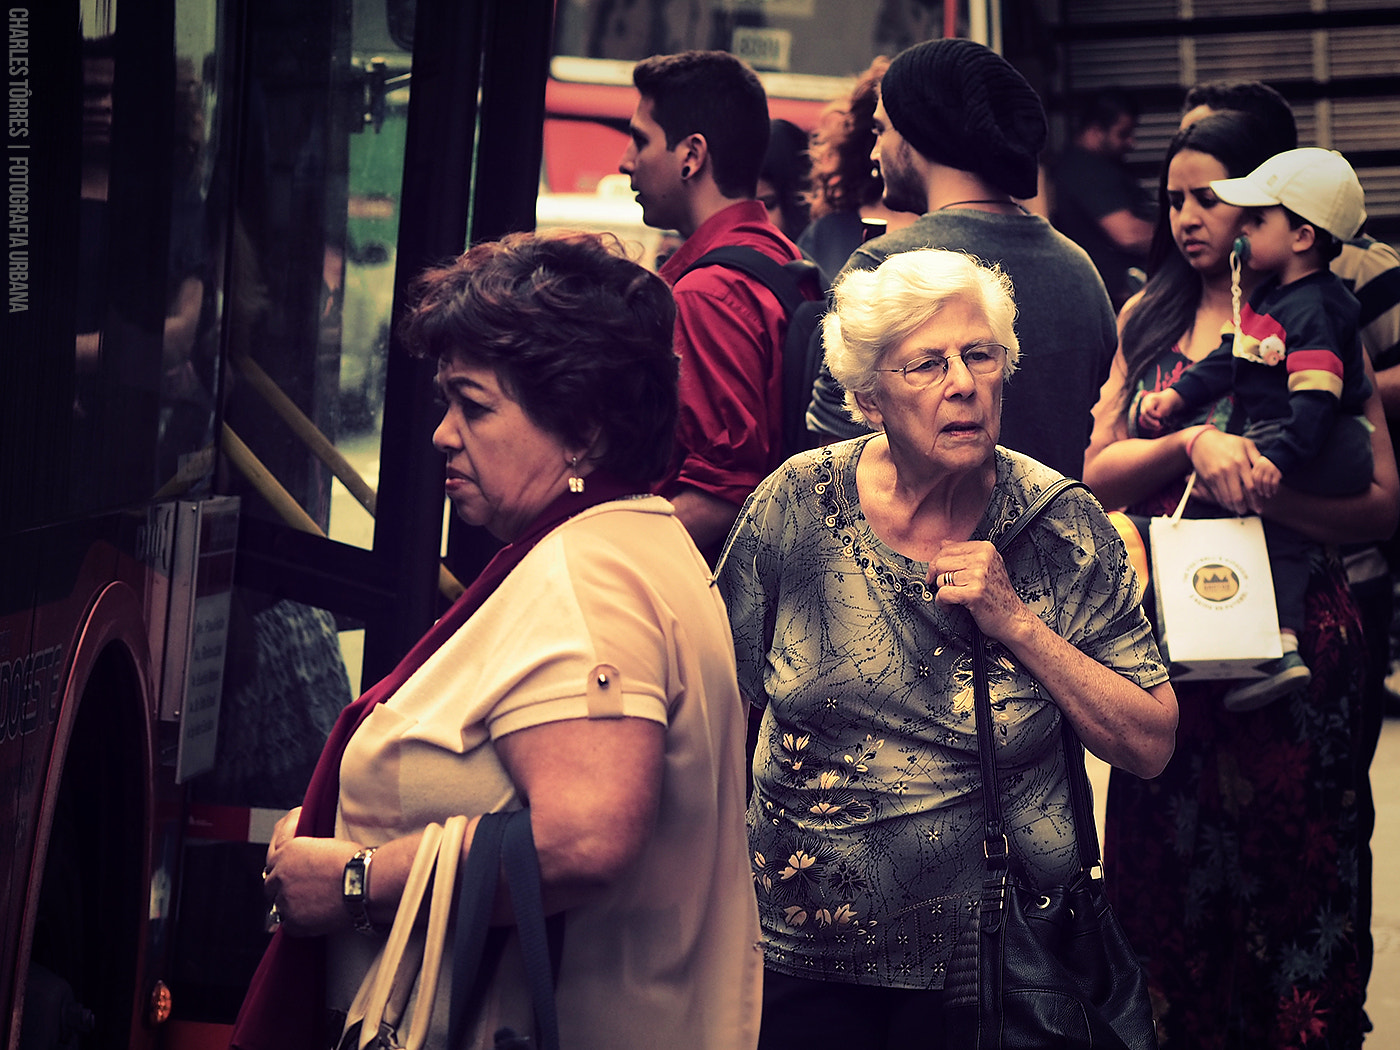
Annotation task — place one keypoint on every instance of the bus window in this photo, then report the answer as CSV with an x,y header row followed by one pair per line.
x,y
143,388
808,38
806,52
315,226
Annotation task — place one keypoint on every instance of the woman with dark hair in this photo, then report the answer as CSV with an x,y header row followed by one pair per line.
x,y
588,672
1235,871
846,188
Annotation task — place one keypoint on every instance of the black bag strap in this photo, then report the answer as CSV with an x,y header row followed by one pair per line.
x,y
996,845
501,840
784,280
801,345
476,896
522,871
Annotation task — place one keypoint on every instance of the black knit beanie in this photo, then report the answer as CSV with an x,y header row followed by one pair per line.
x,y
961,104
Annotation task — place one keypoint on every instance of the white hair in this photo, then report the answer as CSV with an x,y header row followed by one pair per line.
x,y
874,310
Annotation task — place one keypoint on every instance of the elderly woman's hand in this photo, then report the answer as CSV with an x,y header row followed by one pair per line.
x,y
972,574
1122,723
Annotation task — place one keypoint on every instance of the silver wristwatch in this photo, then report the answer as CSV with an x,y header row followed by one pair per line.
x,y
354,890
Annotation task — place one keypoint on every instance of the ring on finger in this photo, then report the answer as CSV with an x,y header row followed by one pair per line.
x,y
946,580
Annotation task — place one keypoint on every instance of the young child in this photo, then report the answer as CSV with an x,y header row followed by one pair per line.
x,y
1295,366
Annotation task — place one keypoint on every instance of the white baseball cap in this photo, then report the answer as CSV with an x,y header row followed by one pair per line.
x,y
1316,184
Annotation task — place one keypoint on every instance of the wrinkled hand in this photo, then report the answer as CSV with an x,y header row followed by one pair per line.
x,y
972,574
303,879
1224,465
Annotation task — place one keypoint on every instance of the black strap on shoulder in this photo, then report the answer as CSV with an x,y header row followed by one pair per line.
x,y
784,280
801,346
1031,513
1086,838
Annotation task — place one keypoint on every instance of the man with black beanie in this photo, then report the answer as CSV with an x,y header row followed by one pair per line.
x,y
959,133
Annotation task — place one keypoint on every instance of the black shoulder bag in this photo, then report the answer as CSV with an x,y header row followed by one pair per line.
x,y
1042,967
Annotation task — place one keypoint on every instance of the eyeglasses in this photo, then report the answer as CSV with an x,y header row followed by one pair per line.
x,y
981,360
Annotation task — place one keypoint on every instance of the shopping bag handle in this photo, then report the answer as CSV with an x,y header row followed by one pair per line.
x,y
1181,505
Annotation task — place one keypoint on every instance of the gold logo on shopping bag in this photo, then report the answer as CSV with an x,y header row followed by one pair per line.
x,y
1215,582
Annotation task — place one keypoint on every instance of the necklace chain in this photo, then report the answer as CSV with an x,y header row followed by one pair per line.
x,y
1003,203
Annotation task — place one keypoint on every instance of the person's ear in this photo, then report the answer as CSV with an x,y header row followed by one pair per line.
x,y
1304,237
693,150
870,406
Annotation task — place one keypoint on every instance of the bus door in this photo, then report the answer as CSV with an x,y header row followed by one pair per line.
x,y
107,392
375,137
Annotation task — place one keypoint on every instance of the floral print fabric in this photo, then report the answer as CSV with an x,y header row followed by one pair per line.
x,y
866,817
1234,873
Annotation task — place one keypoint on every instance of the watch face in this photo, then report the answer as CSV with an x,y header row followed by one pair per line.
x,y
355,878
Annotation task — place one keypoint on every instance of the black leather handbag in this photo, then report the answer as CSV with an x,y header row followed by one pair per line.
x,y
1042,967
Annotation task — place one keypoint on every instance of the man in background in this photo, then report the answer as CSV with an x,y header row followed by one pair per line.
x,y
959,132
698,139
1097,203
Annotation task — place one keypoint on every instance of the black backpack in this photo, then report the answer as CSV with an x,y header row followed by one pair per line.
x,y
802,345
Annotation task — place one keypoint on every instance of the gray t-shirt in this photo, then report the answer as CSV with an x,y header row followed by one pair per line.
x,y
865,824
1064,323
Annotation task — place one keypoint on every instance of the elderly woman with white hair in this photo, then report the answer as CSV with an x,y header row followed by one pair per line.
x,y
852,578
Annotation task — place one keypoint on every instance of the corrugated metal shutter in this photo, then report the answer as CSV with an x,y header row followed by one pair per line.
x,y
1336,61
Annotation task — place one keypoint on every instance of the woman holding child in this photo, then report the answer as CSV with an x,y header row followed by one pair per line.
x,y
1235,871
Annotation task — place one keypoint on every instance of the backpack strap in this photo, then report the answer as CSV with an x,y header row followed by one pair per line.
x,y
801,347
784,280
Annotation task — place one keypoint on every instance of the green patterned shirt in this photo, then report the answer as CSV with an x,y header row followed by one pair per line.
x,y
865,824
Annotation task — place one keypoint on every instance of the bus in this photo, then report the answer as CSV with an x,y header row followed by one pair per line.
x,y
210,207
220,511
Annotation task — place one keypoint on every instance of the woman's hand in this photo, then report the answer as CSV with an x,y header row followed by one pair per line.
x,y
1125,725
303,879
283,831
1225,471
972,574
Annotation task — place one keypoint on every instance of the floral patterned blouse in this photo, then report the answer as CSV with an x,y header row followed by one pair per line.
x,y
865,824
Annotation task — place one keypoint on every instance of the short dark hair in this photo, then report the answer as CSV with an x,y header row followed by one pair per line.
x,y
786,167
1327,245
714,94
577,333
1254,97
1103,108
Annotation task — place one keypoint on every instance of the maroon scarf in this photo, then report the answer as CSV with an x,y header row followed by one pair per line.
x,y
285,1004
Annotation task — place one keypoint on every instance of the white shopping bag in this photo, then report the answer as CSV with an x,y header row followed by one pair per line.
x,y
1216,615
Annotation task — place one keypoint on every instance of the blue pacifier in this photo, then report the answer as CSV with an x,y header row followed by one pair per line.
x,y
1240,249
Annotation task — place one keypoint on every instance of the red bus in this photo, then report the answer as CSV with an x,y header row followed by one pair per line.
x,y
195,395
220,511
